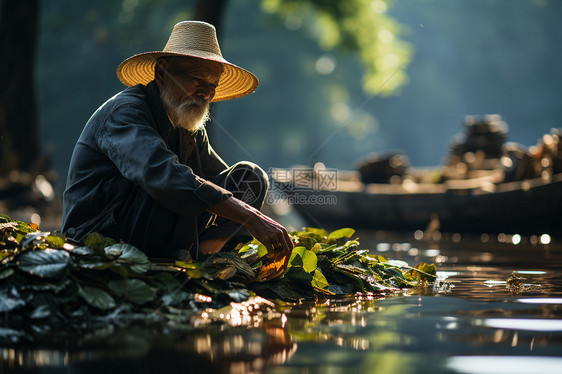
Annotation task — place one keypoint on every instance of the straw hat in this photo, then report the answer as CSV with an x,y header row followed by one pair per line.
x,y
193,39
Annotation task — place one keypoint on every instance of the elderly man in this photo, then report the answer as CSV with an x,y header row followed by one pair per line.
x,y
143,170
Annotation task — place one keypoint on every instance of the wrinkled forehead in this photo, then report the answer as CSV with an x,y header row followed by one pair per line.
x,y
181,64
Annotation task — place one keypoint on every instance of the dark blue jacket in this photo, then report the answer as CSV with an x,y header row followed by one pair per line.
x,y
136,178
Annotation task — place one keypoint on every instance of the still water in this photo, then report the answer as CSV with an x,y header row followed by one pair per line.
x,y
472,322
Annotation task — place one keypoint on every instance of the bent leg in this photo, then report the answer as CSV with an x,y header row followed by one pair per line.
x,y
247,182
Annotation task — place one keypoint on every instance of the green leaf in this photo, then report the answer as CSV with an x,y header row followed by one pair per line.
x,y
187,264
55,241
299,276
82,251
48,263
119,269
10,299
295,260
95,241
316,248
95,264
254,244
424,271
341,233
5,273
131,255
40,312
166,281
319,280
314,230
307,241
97,297
309,259
134,290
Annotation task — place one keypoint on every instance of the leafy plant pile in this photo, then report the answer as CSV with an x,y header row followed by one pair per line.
x,y
48,280
331,264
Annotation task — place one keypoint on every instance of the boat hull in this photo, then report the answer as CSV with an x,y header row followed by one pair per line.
x,y
528,207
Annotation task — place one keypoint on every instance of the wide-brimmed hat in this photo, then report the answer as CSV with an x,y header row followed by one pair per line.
x,y
192,39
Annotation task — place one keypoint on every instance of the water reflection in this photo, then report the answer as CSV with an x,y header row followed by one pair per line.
x,y
504,365
208,350
478,324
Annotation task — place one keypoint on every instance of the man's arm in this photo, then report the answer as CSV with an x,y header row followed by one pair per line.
x,y
270,233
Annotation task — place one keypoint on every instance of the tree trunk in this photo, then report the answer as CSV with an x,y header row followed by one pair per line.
x,y
211,11
18,122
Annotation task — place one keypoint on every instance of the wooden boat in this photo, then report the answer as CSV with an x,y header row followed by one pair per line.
x,y
485,186
476,205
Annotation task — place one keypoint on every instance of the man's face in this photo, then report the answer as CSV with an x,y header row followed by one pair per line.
x,y
187,85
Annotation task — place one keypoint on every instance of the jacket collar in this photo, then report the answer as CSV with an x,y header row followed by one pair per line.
x,y
163,124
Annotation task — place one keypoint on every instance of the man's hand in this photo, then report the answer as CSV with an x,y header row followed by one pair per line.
x,y
270,233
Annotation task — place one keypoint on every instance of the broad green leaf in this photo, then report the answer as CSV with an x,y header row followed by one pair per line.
x,y
319,280
95,264
55,241
42,311
306,241
309,259
82,251
254,245
316,248
95,241
131,255
341,233
119,269
299,276
194,273
97,297
166,281
295,259
10,299
424,271
48,263
6,272
314,230
187,264
134,290
48,286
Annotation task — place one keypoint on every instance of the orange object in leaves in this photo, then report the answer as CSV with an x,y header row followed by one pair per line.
x,y
274,264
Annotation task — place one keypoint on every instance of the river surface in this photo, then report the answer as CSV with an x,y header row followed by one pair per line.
x,y
471,322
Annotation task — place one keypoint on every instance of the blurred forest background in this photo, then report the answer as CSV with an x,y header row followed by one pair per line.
x,y
405,79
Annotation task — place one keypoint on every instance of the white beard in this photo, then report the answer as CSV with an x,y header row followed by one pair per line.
x,y
191,114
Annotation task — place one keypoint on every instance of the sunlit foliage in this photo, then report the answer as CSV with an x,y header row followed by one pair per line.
x,y
357,26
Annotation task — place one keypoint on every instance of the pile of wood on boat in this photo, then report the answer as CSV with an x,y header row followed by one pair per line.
x,y
486,185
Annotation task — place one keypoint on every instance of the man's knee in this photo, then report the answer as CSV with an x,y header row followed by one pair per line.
x,y
248,182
